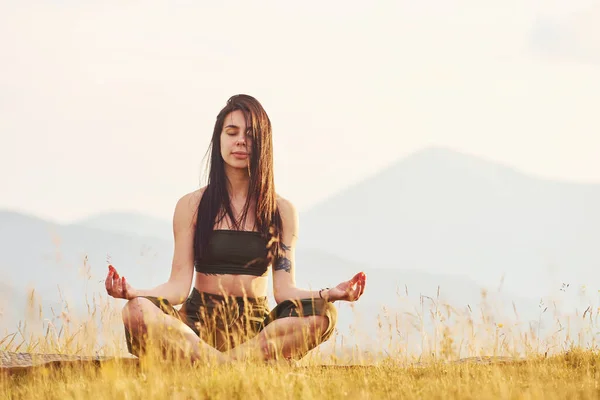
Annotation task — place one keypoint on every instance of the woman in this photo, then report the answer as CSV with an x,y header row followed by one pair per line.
x,y
231,232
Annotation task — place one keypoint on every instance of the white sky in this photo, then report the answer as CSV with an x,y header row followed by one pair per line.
x,y
110,105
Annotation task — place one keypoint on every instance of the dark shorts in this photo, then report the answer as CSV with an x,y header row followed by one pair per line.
x,y
224,322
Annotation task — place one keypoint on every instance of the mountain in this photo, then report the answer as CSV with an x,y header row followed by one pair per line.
x,y
12,306
67,264
129,223
440,211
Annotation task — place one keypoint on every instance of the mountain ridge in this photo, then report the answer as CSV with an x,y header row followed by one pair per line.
x,y
423,154
431,212
424,157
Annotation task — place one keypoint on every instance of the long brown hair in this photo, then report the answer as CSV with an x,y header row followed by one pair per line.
x,y
215,203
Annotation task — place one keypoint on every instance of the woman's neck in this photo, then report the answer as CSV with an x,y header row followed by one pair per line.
x,y
238,183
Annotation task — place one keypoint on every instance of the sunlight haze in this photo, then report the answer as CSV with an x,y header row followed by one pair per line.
x,y
110,105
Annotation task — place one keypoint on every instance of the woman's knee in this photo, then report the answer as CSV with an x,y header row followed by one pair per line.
x,y
134,310
327,323
317,327
317,324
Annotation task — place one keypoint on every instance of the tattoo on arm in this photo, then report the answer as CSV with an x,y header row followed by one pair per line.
x,y
284,247
283,264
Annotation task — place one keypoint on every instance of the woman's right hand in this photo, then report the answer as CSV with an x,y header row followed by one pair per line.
x,y
117,286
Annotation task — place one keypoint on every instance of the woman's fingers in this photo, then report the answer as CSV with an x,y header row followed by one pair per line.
x,y
356,293
358,278
109,281
117,286
351,291
363,283
124,287
114,270
356,290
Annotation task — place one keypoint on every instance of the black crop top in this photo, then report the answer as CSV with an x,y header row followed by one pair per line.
x,y
234,252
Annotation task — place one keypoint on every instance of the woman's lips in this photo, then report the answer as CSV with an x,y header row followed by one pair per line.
x,y
240,155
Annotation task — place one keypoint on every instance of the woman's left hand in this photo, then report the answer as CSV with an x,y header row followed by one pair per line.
x,y
349,290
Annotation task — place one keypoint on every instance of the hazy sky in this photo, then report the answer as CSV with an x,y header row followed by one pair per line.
x,y
110,104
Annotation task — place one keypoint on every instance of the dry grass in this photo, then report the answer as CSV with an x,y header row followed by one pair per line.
x,y
573,375
559,366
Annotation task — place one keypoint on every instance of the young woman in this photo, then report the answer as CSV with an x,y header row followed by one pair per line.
x,y
231,232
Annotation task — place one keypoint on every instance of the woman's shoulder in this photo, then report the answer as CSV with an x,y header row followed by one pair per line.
x,y
287,209
188,203
283,203
192,198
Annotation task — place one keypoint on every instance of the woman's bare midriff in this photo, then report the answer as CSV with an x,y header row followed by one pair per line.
x,y
232,285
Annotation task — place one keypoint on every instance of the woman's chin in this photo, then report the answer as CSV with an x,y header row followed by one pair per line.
x,y
237,164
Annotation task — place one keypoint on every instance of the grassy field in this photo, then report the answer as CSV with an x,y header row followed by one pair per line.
x,y
572,375
555,367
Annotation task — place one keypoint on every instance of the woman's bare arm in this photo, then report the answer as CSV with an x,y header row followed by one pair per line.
x,y
177,288
284,269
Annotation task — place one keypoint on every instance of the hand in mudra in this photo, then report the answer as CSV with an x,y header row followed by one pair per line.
x,y
117,286
350,290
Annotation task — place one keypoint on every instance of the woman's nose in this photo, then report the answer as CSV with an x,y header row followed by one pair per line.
x,y
241,139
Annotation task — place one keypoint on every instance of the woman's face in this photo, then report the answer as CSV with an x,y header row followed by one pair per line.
x,y
235,144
